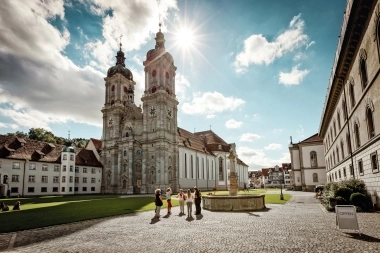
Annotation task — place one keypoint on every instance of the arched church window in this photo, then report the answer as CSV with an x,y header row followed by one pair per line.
x,y
125,151
125,89
363,67
221,169
113,88
154,89
357,135
370,125
185,166
352,95
344,108
124,184
338,117
192,167
168,91
313,159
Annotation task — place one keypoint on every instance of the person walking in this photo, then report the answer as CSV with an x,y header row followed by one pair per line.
x,y
169,193
197,201
189,203
181,198
158,201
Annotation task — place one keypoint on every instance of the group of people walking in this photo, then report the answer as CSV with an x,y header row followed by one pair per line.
x,y
183,197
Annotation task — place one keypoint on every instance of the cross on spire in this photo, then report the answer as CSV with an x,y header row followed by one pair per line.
x,y
121,35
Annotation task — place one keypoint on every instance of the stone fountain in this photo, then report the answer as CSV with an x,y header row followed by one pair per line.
x,y
233,201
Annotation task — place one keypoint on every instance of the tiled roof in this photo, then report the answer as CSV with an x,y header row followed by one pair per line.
x,y
192,141
30,149
313,138
97,143
265,171
41,151
211,137
241,162
85,157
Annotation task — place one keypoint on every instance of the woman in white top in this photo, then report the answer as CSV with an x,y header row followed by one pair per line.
x,y
181,197
189,203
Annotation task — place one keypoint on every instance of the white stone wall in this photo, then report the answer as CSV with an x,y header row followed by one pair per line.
x,y
306,162
364,97
6,169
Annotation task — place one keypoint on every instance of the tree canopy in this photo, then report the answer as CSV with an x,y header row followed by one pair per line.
x,y
41,134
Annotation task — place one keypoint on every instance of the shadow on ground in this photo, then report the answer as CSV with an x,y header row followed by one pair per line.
x,y
363,237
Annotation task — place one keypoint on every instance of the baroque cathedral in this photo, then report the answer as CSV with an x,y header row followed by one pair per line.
x,y
142,148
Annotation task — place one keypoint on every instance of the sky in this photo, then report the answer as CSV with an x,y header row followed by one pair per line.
x,y
254,72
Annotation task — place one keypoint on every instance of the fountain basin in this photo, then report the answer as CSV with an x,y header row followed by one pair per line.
x,y
233,203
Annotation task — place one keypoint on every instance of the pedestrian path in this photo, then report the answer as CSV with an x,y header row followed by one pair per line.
x,y
300,226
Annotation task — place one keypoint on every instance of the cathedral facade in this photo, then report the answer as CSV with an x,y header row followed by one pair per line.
x,y
142,148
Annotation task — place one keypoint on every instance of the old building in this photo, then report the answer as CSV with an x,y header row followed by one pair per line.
x,y
34,168
143,148
307,164
350,123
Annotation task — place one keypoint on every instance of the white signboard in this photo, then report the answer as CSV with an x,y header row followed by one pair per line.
x,y
346,217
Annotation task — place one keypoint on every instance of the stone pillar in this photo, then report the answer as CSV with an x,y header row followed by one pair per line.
x,y
233,179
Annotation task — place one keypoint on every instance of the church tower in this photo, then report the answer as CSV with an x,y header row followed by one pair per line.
x,y
160,118
122,128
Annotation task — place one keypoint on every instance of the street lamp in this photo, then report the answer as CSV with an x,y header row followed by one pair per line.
x,y
281,195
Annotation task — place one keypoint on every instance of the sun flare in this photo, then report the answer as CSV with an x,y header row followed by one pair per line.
x,y
184,38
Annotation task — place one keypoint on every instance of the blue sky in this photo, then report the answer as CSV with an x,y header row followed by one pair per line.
x,y
255,72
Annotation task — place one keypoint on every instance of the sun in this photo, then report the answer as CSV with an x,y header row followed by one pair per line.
x,y
184,38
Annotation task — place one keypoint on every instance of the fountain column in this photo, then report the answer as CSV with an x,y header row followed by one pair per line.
x,y
234,188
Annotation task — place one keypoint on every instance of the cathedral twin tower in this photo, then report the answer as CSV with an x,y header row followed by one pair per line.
x,y
140,145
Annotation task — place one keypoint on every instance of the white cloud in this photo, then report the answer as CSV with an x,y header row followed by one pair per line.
x,y
233,124
209,103
210,116
47,83
273,146
258,50
294,77
137,20
249,137
181,84
297,57
310,44
257,159
9,125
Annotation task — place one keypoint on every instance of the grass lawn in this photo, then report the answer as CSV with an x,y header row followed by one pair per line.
x,y
54,210
44,211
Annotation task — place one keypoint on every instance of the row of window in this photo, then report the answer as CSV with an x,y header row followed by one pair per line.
x,y
65,157
55,189
32,166
374,167
201,172
45,179
369,110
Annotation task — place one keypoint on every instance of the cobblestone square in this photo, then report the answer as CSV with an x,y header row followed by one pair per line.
x,y
302,225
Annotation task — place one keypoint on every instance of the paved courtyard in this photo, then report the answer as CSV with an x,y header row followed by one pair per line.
x,y
302,225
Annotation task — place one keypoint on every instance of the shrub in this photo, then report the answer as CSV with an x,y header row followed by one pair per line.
x,y
357,199
355,185
345,193
345,189
360,200
341,201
